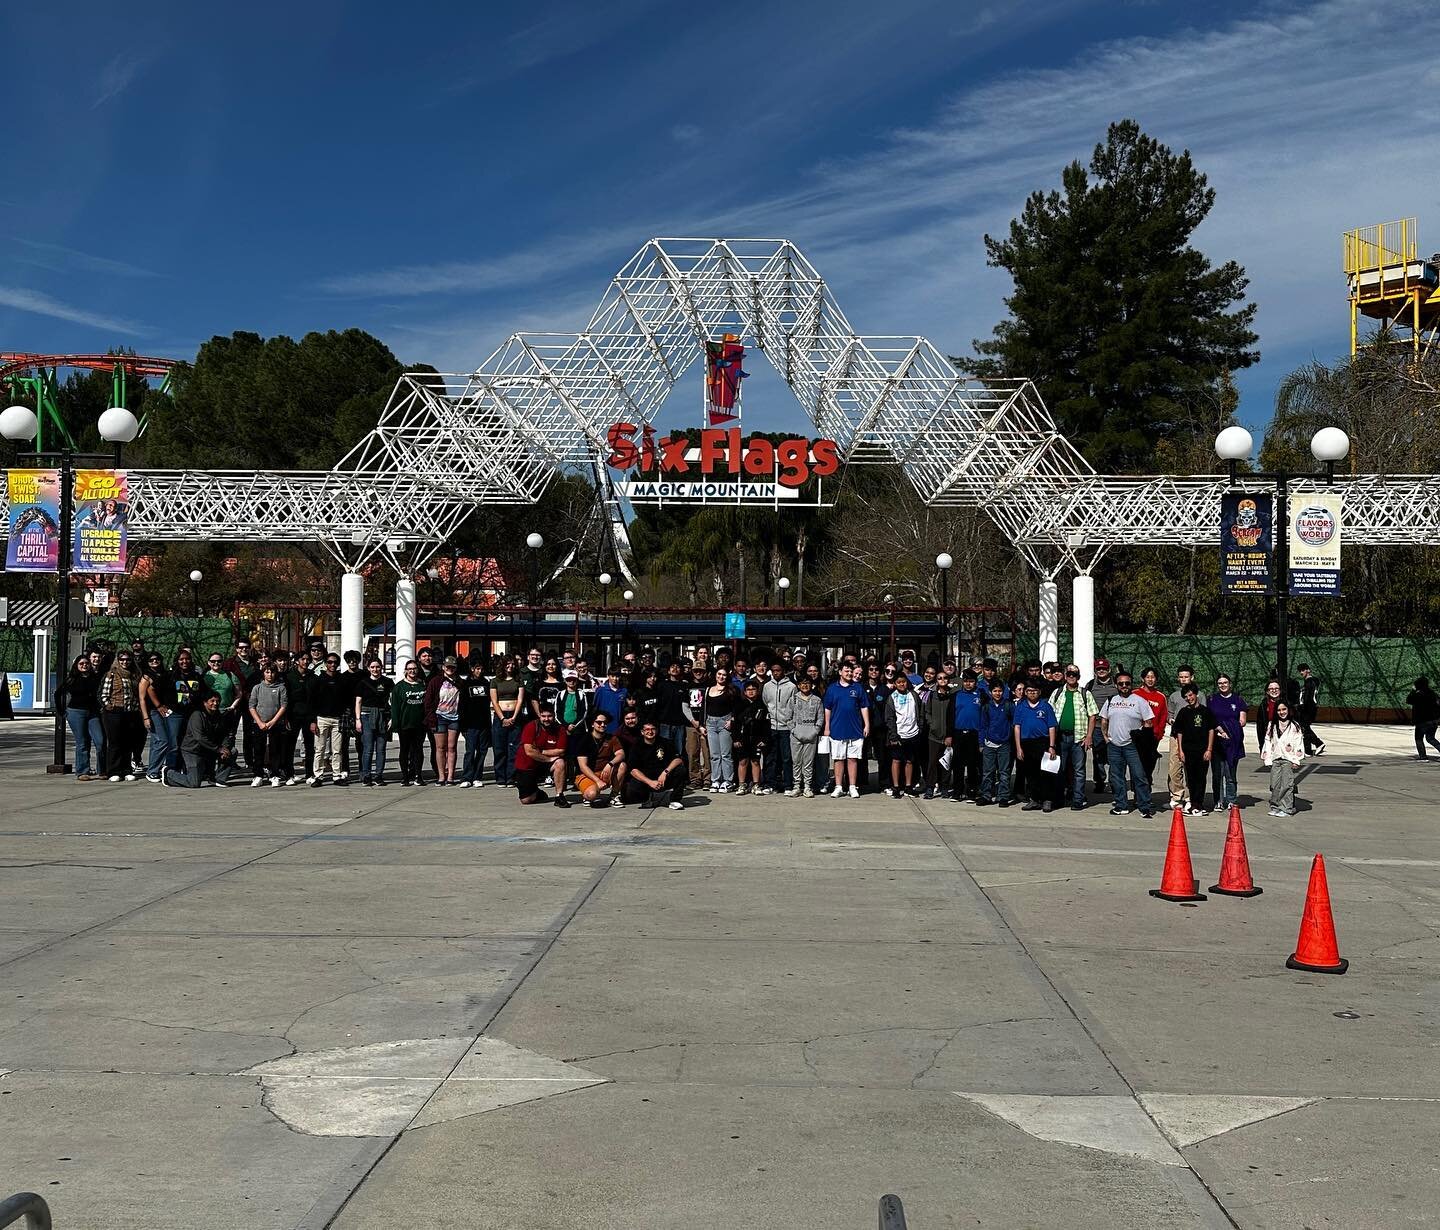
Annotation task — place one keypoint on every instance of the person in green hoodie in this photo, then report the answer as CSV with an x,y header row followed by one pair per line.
x,y
407,717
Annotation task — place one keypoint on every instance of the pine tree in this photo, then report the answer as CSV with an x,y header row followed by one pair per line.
x,y
1117,319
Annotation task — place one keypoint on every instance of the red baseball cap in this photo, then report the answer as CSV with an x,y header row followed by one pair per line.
x,y
1102,663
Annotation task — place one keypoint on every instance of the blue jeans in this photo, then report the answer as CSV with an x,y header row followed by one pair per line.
x,y
89,737
374,736
1222,779
477,743
164,743
675,736
504,743
995,772
779,769
1072,768
1128,757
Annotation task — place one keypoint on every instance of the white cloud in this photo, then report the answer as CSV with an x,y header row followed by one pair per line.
x,y
57,257
119,74
43,305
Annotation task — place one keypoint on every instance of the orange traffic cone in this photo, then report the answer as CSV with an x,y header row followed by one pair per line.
x,y
1235,878
1178,883
1317,950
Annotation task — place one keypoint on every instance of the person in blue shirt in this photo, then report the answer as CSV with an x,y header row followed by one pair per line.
x,y
847,723
1229,708
610,697
965,741
997,730
1035,732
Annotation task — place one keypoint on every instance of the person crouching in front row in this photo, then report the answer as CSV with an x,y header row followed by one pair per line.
x,y
599,763
541,754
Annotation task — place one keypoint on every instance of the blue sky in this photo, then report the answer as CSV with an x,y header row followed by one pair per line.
x,y
442,175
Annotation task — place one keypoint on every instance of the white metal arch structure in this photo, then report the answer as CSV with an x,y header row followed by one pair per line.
x,y
544,401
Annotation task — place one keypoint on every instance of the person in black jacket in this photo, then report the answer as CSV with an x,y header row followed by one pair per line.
x,y
209,758
1307,709
299,714
749,736
81,699
474,721
329,694
1425,710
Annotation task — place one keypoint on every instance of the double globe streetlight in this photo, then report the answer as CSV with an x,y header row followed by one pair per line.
x,y
20,424
1328,446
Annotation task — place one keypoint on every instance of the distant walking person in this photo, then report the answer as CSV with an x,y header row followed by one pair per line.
x,y
1425,712
1283,750
1307,709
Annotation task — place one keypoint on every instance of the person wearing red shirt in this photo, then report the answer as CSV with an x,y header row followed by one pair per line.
x,y
541,754
1147,738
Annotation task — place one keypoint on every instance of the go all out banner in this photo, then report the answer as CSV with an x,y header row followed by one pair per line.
x,y
101,511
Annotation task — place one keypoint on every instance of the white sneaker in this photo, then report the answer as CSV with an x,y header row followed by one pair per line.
x,y
344,777
276,783
807,793
116,778
617,801
838,792
259,781
793,792
676,805
854,792
714,787
466,785
295,780
478,785
130,777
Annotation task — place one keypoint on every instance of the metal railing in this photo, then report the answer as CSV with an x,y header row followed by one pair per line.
x,y
37,1213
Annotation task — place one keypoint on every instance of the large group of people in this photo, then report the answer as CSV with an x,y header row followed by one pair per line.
x,y
650,730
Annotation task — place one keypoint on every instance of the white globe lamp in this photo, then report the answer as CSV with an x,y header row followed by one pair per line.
x,y
18,423
1330,444
1234,444
118,425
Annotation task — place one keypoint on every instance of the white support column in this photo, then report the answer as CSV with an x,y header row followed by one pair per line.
x,y
1082,600
352,613
1049,624
405,605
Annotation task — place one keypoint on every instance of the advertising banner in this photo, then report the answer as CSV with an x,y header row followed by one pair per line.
x,y
34,542
101,513
1315,545
1247,539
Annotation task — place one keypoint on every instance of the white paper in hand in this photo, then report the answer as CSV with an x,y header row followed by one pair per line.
x,y
1049,763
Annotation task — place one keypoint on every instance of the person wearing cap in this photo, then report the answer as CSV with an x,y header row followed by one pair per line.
x,y
1102,688
1076,714
442,716
798,663
965,741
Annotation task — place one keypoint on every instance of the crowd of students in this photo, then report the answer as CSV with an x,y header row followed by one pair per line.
x,y
650,730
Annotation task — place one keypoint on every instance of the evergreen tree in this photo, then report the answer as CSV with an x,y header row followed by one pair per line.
x,y
1117,319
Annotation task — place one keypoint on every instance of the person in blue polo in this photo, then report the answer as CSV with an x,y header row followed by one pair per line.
x,y
1035,732
847,723
965,741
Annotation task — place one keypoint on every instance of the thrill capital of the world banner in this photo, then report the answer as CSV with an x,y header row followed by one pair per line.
x,y
1247,539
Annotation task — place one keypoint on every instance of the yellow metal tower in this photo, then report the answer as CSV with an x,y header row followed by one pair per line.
x,y
1390,283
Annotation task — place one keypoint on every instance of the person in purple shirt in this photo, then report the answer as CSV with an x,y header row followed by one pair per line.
x,y
1229,709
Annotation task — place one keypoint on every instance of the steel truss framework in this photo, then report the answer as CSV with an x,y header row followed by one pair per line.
x,y
543,402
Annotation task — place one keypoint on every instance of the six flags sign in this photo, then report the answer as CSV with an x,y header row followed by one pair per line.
x,y
722,468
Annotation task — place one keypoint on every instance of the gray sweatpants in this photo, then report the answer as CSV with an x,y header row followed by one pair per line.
x,y
802,755
1282,784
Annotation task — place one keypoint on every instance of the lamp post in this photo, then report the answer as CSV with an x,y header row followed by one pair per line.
x,y
629,596
196,576
784,584
943,561
605,581
534,542
1327,446
118,426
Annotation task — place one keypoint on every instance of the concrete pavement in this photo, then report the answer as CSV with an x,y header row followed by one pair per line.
x,y
368,1008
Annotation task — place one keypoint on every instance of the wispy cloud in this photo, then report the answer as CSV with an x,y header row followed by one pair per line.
x,y
59,258
39,304
119,74
686,134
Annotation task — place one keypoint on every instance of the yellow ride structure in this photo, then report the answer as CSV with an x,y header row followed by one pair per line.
x,y
1390,283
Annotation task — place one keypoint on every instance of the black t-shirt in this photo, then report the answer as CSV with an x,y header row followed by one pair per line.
x,y
1193,725
672,697
723,705
375,693
650,705
650,758
475,701
328,695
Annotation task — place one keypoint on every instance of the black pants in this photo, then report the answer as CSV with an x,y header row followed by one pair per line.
x,y
119,728
1307,729
934,774
298,733
411,743
638,792
1196,771
1030,769
965,766
269,749
1149,748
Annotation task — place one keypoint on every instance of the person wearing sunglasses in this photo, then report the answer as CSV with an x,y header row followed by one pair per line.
x,y
119,707
1120,717
599,760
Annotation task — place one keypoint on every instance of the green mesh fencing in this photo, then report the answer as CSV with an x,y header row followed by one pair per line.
x,y
1366,678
